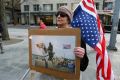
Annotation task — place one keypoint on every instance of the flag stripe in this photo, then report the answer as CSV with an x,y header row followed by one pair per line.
x,y
99,68
89,4
88,7
109,69
89,1
84,6
103,51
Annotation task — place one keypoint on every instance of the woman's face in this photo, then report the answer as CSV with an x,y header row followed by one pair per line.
x,y
62,19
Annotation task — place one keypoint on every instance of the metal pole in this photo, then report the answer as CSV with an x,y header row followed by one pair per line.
x,y
29,12
29,16
114,26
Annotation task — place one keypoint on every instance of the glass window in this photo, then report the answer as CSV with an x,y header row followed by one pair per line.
x,y
108,6
97,6
47,7
26,7
36,7
61,4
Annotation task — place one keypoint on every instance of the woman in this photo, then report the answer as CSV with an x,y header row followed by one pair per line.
x,y
41,24
64,17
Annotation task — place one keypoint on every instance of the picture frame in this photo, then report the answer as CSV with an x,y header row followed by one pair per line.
x,y
51,52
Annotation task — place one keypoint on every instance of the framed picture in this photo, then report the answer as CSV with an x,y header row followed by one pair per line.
x,y
51,52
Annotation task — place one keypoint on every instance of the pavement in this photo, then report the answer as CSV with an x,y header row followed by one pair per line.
x,y
14,61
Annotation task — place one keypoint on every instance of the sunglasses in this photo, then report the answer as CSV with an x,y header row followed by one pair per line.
x,y
61,14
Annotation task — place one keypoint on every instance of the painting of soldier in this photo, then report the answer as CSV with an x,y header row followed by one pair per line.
x,y
50,51
54,52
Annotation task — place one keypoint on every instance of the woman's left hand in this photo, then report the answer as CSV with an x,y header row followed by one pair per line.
x,y
79,51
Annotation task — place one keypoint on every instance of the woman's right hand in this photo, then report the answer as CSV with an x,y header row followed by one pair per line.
x,y
79,51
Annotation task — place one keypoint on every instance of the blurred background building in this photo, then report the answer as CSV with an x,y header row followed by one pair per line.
x,y
13,11
27,11
46,10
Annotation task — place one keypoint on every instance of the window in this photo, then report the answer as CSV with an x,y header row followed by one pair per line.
x,y
26,7
108,6
47,7
61,4
36,7
97,6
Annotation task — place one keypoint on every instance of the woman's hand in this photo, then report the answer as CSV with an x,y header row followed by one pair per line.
x,y
78,51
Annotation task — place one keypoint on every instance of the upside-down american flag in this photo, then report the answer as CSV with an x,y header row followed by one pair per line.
x,y
86,18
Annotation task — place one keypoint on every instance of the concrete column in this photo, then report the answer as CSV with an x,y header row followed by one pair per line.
x,y
54,19
22,19
114,26
32,19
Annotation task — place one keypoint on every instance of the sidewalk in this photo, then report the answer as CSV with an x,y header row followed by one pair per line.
x,y
14,62
12,41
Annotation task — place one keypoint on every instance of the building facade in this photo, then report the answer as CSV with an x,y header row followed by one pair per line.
x,y
99,5
44,9
12,8
109,6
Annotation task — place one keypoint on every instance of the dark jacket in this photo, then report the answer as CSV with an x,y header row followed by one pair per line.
x,y
84,61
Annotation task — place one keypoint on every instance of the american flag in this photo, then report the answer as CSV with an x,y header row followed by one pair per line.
x,y
86,18
66,46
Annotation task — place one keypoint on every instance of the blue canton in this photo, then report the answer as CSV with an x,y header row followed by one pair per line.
x,y
88,25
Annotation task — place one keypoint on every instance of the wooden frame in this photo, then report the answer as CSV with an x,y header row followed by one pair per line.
x,y
55,32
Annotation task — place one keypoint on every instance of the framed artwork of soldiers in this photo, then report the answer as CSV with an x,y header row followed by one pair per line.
x,y
51,52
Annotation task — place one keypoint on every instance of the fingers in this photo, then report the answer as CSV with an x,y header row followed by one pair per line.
x,y
78,51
